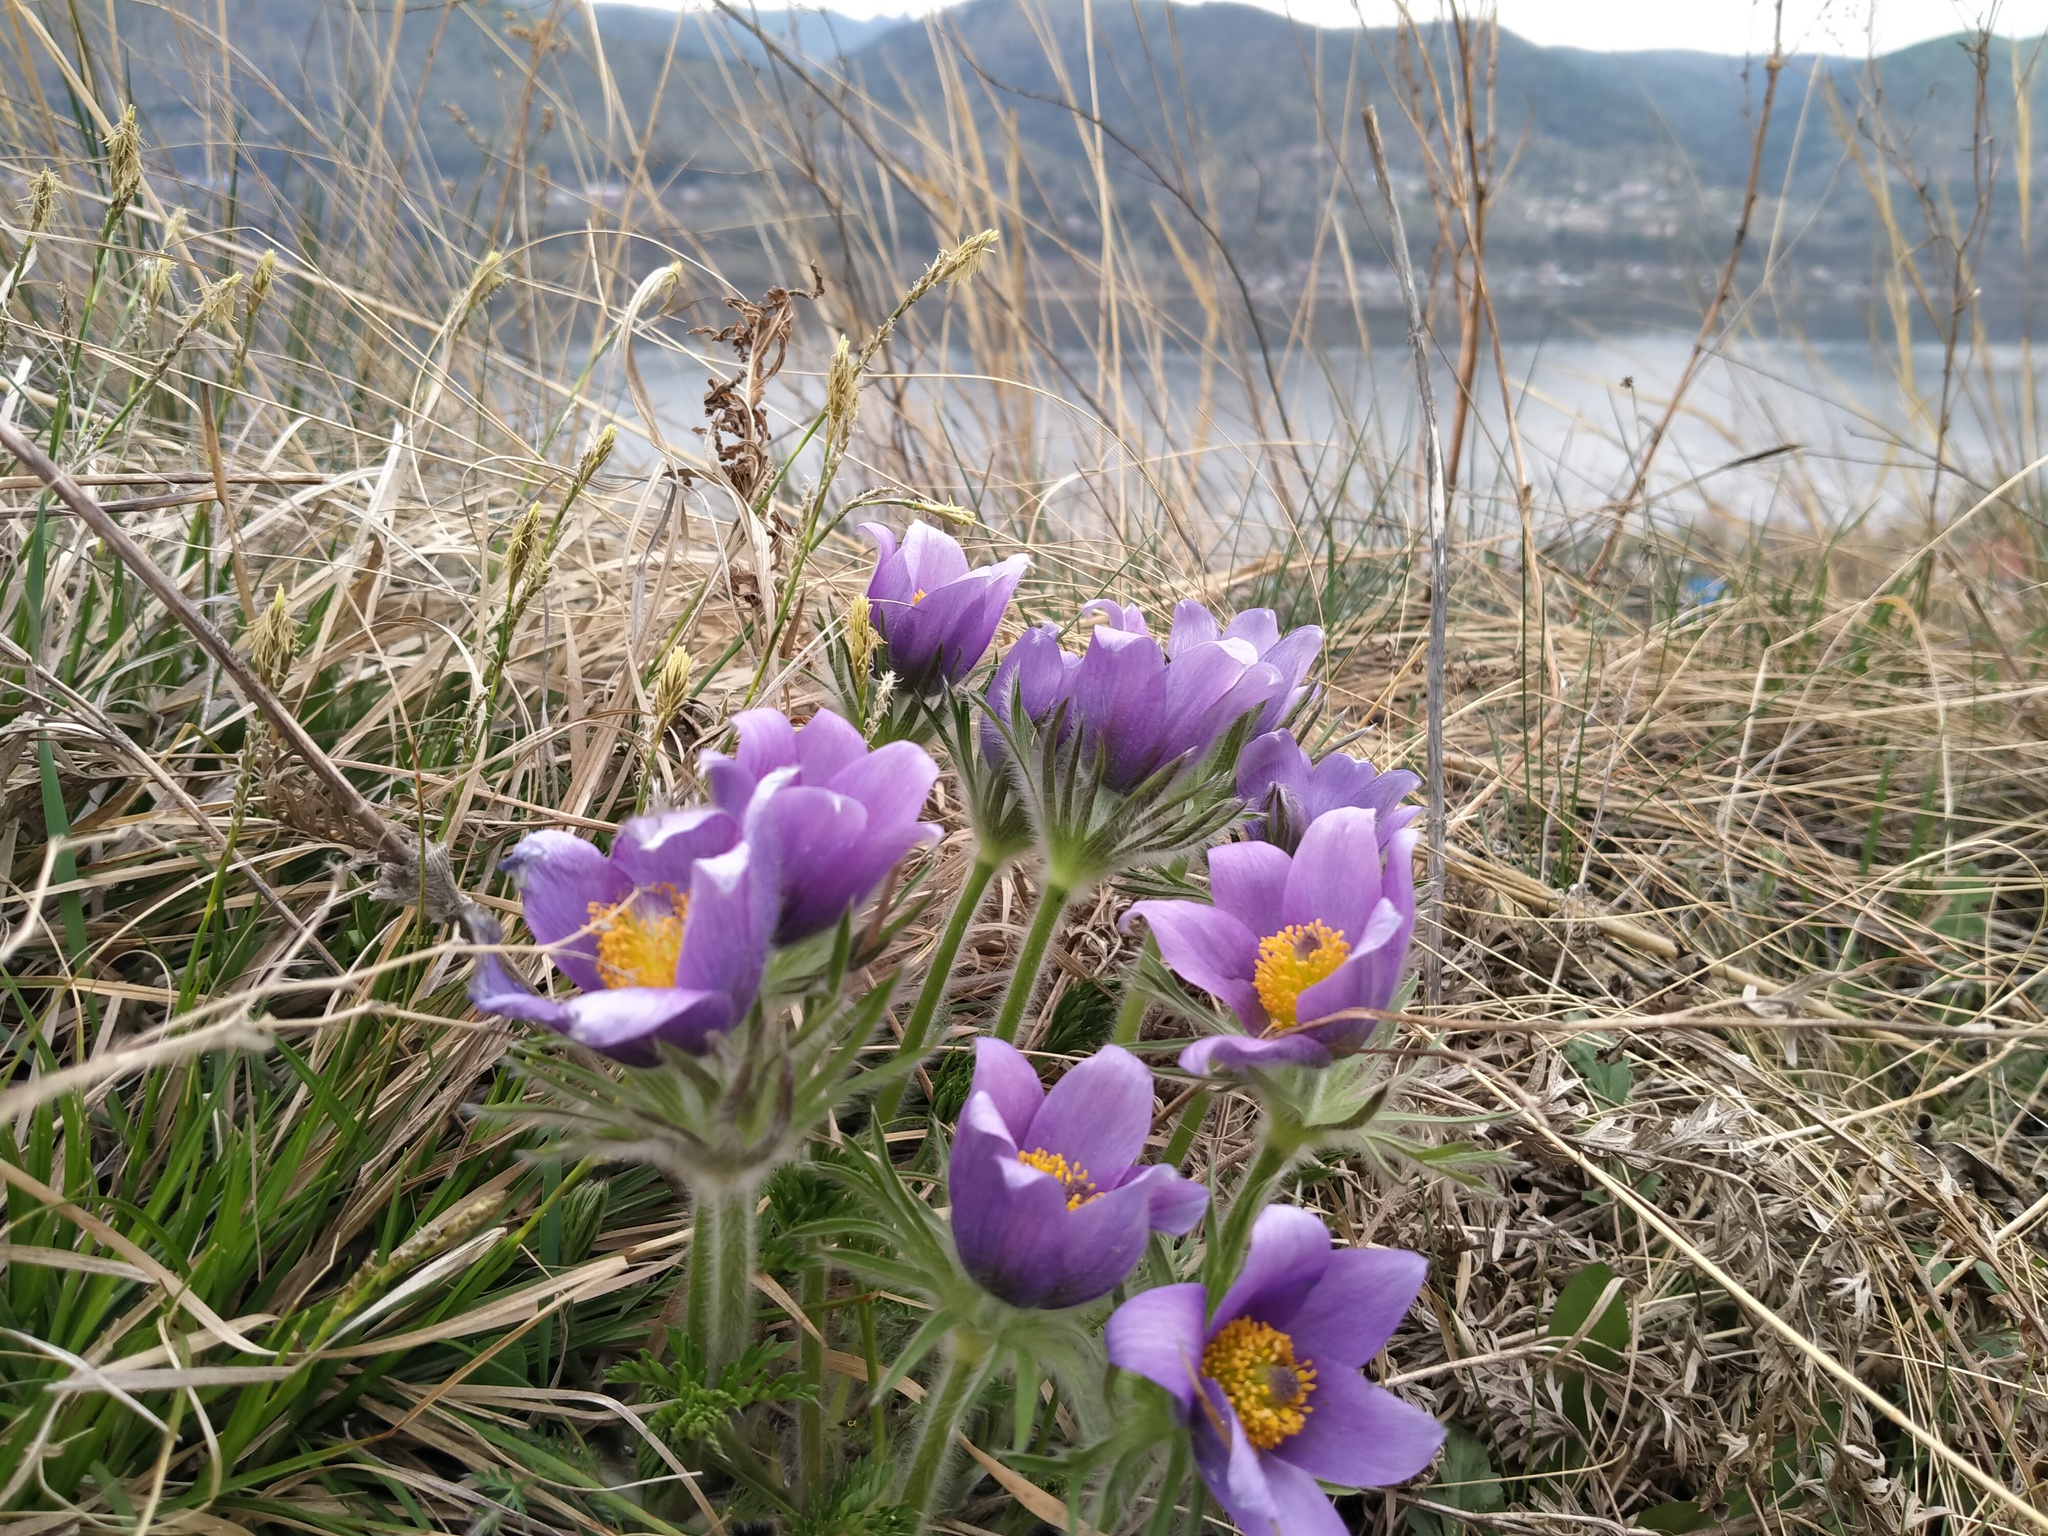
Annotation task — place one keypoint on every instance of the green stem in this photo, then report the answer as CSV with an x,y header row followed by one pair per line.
x,y
1245,1206
810,1416
1190,1124
939,971
945,1407
721,1314
1132,1012
1051,907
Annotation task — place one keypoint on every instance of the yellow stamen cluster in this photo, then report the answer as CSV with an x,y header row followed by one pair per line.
x,y
918,596
1254,1364
1290,962
1080,1188
640,938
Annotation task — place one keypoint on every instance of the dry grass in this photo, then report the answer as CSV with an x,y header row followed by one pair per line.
x,y
1743,982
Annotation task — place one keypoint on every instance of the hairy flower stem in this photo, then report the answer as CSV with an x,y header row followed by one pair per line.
x,y
1051,907
939,971
945,1407
721,1312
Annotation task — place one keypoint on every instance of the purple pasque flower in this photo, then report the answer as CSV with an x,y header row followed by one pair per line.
x,y
665,936
935,615
1270,1383
1287,792
1034,678
1294,940
838,816
1049,1206
1147,707
1291,654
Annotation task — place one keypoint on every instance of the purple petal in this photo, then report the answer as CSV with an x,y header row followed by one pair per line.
x,y
1293,655
1024,1236
932,559
1288,1252
1215,1055
1208,948
1249,881
495,989
1274,758
826,747
1207,688
893,782
1260,626
1127,618
1356,1435
626,1021
1233,1469
767,741
1097,1116
1119,694
1367,980
725,936
1356,1306
1176,1204
1001,1072
1397,882
1300,1508
1101,1242
732,787
660,849
560,878
1335,877
891,582
1193,625
975,1184
1159,1334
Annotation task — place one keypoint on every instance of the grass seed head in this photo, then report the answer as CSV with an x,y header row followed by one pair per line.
x,y
523,553
961,262
274,643
216,306
594,457
842,395
862,638
488,278
672,689
42,200
259,286
124,162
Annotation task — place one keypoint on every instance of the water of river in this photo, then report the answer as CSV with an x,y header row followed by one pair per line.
x,y
1826,433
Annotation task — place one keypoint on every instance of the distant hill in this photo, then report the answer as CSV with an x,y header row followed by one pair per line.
x,y
1621,167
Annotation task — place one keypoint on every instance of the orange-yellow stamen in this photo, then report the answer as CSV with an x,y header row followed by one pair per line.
x,y
1080,1188
1290,962
1254,1364
917,597
640,938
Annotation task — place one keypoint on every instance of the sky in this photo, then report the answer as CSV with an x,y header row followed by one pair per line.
x,y
1715,26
